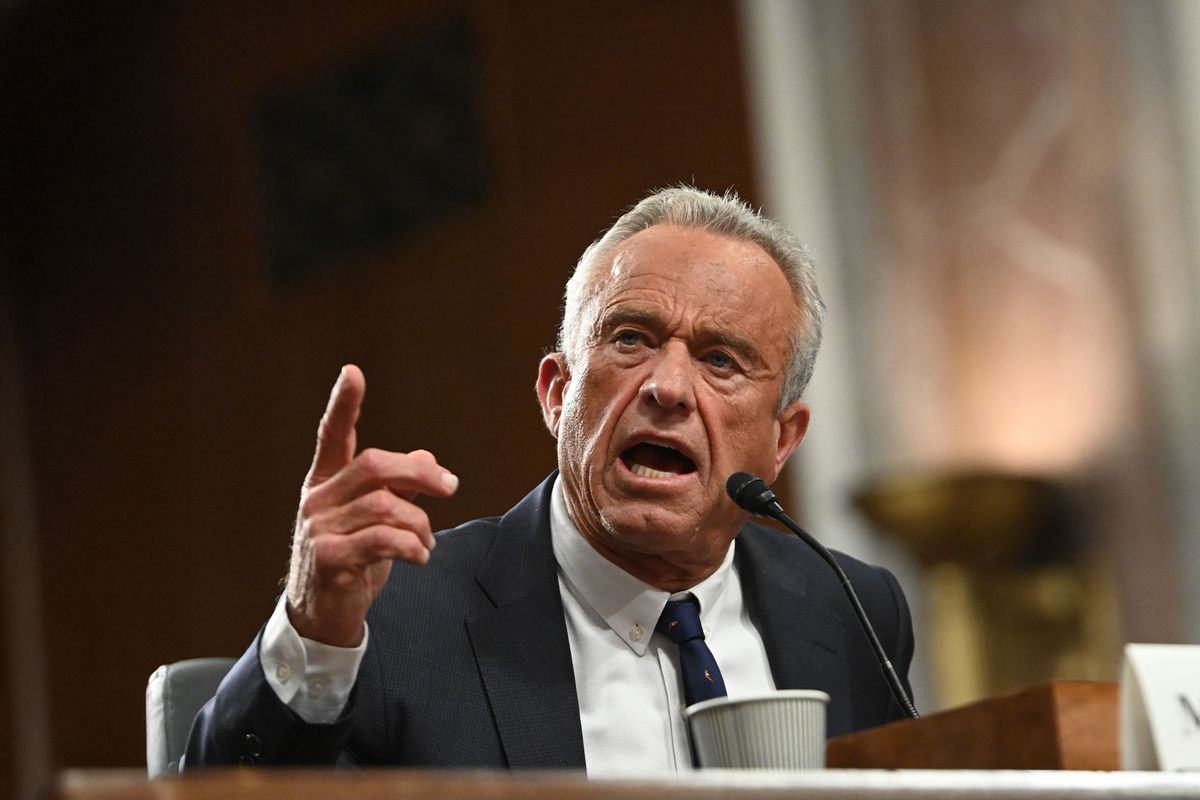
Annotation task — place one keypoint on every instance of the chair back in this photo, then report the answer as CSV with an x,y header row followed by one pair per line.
x,y
174,695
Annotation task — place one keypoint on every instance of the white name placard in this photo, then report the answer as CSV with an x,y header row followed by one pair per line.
x,y
1160,707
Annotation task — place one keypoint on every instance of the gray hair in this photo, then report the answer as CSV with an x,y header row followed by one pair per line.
x,y
726,215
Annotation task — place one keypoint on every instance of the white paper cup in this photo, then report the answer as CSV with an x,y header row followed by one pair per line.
x,y
782,730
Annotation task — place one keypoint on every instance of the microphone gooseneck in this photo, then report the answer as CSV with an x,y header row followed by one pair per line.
x,y
753,494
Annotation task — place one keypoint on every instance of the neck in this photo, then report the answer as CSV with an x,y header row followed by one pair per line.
x,y
670,572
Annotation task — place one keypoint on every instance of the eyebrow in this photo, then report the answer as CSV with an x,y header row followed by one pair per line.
x,y
739,344
626,316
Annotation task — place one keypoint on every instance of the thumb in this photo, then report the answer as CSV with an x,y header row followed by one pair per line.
x,y
336,436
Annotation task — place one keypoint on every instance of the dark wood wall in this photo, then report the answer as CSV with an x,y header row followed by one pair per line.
x,y
174,381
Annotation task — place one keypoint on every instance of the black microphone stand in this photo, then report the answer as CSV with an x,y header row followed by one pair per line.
x,y
753,495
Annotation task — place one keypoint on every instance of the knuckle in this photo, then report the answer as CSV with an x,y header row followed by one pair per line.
x,y
422,464
383,543
379,503
415,519
410,548
372,460
385,539
344,580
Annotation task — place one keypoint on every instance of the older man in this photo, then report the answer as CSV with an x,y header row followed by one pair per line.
x,y
533,640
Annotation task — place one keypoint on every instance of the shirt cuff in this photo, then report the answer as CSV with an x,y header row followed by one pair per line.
x,y
311,678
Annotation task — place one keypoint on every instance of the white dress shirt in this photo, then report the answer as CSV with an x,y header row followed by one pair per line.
x,y
626,674
314,679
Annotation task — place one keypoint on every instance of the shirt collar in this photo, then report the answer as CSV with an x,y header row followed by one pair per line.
x,y
629,606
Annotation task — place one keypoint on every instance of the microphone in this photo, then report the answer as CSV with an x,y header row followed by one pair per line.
x,y
752,494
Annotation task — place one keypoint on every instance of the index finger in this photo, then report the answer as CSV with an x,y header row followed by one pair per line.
x,y
336,435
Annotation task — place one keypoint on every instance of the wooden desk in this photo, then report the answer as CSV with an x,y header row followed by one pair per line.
x,y
1059,725
250,784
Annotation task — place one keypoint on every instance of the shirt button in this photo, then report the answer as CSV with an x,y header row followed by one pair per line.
x,y
707,631
317,686
283,672
637,633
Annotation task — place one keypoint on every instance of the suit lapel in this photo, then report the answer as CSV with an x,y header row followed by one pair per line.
x,y
804,639
521,645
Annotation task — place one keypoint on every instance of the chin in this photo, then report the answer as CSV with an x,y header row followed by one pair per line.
x,y
644,522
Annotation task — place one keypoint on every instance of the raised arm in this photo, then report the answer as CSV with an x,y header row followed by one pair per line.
x,y
356,517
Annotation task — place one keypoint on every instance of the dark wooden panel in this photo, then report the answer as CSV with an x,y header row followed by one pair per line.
x,y
1061,725
174,389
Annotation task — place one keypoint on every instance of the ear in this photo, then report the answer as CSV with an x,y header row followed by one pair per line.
x,y
790,425
552,379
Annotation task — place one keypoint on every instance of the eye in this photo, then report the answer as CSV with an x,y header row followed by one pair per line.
x,y
720,360
628,338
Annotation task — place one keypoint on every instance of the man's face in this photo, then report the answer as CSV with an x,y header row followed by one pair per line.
x,y
674,386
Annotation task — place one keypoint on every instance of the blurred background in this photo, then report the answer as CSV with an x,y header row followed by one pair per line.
x,y
208,208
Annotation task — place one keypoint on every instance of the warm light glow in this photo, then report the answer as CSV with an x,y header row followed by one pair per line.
x,y
1028,359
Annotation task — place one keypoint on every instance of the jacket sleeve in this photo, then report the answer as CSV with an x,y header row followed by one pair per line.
x,y
247,723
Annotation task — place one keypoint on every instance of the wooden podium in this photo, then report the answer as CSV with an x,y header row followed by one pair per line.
x,y
1061,725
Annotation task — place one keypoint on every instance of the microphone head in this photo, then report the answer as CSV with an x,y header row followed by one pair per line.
x,y
751,493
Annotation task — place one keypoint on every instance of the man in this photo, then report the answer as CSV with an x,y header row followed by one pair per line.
x,y
689,332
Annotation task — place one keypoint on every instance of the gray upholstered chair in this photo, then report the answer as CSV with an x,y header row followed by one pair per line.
x,y
174,694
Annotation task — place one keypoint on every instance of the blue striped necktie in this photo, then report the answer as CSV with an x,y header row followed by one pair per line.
x,y
680,622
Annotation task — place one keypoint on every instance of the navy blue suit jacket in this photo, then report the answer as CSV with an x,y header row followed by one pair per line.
x,y
469,665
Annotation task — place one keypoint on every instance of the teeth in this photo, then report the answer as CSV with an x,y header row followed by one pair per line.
x,y
646,472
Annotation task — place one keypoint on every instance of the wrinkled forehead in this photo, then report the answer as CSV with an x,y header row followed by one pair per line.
x,y
695,277
687,259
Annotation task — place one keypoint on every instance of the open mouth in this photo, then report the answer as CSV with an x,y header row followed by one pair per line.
x,y
656,461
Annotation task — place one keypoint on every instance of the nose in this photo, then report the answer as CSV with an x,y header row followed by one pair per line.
x,y
669,384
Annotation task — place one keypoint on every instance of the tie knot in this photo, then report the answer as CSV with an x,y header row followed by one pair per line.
x,y
680,621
